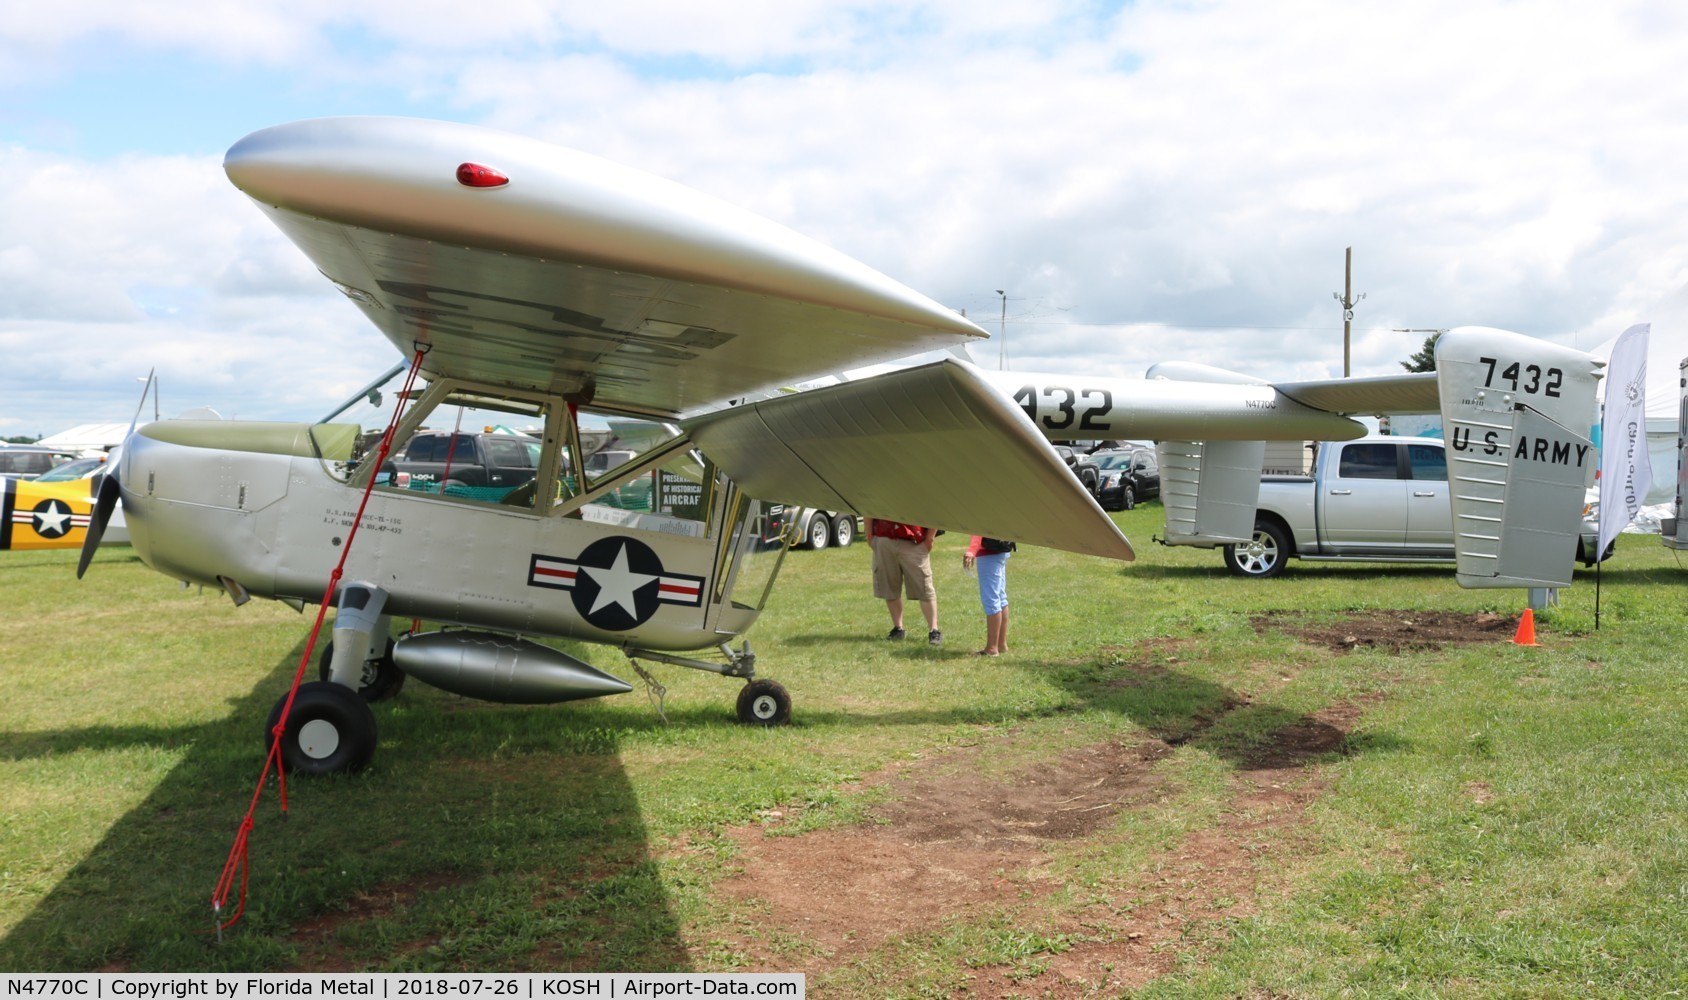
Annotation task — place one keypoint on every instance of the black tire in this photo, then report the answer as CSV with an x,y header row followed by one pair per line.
x,y
844,530
329,731
1127,497
381,678
1091,481
1583,557
1262,558
764,703
817,531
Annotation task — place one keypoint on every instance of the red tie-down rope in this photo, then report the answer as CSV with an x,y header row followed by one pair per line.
x,y
237,862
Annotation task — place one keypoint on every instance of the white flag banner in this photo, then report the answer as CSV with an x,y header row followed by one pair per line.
x,y
1625,471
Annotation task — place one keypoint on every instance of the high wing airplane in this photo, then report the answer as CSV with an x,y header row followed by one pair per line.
x,y
537,289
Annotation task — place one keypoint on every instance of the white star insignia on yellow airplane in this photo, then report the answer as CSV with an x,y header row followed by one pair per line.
x,y
51,518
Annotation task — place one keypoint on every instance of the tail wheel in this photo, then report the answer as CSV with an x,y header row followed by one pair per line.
x,y
764,703
381,678
329,731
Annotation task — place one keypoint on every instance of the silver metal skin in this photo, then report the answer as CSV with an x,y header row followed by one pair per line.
x,y
431,557
501,668
579,277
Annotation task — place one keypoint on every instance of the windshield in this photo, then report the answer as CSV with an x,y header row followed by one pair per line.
x,y
78,469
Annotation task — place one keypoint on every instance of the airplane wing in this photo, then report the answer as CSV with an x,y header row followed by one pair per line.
x,y
933,445
524,263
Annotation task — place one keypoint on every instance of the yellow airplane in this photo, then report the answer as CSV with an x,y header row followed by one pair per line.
x,y
51,512
43,515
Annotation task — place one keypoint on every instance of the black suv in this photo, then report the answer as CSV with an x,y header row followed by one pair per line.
x,y
1127,476
502,461
1089,476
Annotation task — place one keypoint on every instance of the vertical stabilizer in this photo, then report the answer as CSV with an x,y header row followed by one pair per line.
x,y
1516,412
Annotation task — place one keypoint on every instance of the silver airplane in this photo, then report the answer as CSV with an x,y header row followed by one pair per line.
x,y
557,304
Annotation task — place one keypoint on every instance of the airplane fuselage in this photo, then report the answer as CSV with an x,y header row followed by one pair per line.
x,y
275,525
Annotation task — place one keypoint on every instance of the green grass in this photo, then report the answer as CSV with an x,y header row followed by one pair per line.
x,y
1505,821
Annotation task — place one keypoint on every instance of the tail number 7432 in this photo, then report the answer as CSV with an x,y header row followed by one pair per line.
x,y
1064,406
1532,377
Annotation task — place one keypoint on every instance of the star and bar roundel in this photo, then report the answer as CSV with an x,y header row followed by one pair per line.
x,y
30,523
616,583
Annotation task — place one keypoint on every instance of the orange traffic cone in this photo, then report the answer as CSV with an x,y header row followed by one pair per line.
x,y
1526,629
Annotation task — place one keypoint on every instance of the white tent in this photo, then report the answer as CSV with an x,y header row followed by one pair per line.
x,y
87,438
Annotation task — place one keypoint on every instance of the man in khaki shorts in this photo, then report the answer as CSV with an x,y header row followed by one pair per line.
x,y
902,564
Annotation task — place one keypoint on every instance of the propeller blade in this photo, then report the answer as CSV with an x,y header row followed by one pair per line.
x,y
105,501
108,493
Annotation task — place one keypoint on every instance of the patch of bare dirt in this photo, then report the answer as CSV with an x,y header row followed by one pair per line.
x,y
1394,631
957,843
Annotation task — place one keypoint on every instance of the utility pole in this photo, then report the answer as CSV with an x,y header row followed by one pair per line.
x,y
1348,303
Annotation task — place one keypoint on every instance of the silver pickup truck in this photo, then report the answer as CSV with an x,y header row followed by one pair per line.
x,y
1376,499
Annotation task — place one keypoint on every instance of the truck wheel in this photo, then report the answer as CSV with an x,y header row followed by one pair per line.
x,y
818,532
844,531
1264,556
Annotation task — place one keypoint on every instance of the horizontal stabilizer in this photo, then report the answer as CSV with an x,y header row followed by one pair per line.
x,y
1415,393
933,445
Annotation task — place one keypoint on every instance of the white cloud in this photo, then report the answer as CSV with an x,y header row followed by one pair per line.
x,y
1165,179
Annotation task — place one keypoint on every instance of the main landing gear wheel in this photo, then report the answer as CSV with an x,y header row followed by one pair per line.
x,y
381,679
764,703
330,730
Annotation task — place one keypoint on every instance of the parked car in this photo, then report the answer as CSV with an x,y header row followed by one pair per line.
x,y
603,461
22,461
1128,475
1089,476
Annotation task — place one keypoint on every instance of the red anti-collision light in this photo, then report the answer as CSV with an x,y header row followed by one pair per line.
x,y
477,176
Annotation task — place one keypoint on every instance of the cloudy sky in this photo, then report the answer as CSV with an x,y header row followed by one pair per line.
x,y
1145,181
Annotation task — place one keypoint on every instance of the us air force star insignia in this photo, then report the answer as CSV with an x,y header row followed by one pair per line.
x,y
617,584
52,518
